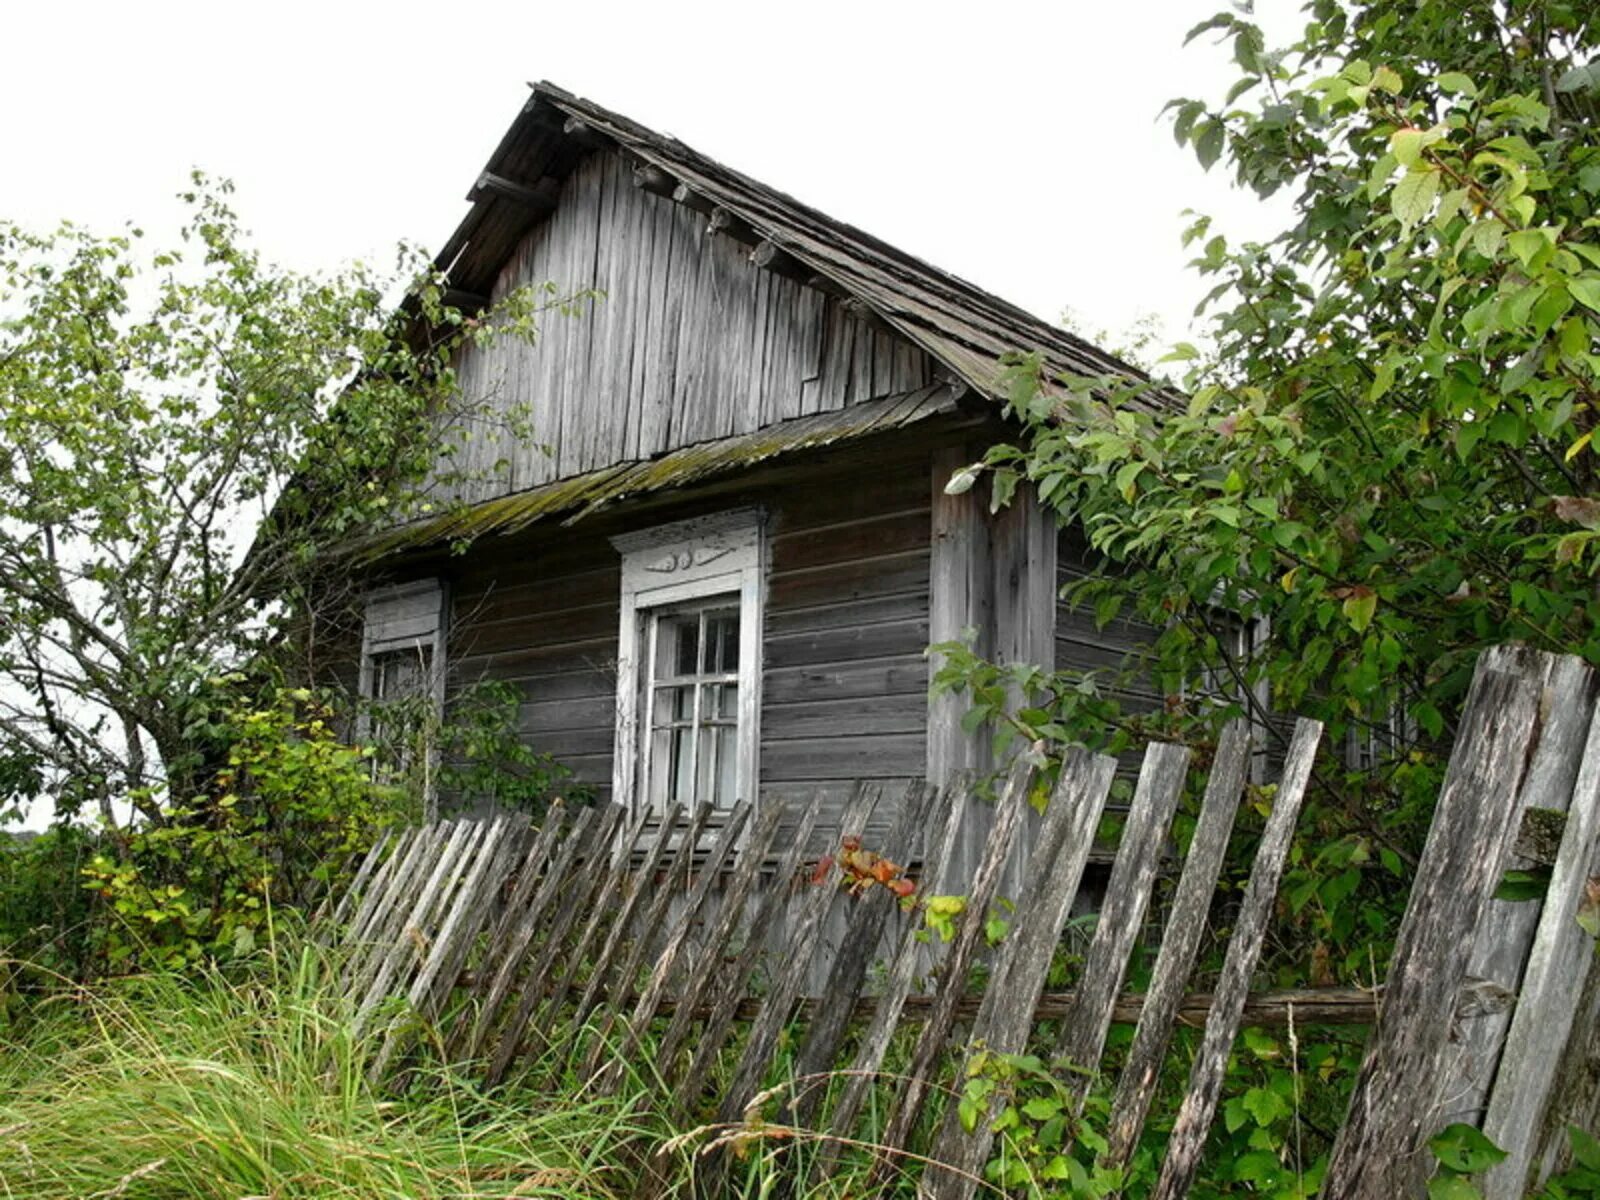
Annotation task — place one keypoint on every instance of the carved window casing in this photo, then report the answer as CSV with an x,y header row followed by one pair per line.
x,y
689,661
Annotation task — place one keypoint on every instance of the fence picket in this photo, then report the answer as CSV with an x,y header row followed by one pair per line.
x,y
1133,877
1180,942
1005,1015
1244,948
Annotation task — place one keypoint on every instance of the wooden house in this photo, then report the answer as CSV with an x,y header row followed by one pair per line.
x,y
716,568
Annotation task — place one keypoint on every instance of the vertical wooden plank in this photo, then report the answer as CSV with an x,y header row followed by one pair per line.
x,y
1244,948
1055,870
1381,1150
1133,875
701,975
886,1017
578,886
801,943
957,961
1505,935
1551,988
1180,942
960,599
868,921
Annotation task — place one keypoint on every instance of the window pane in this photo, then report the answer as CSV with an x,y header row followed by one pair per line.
x,y
722,631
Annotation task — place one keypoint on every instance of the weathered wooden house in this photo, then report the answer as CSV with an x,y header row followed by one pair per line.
x,y
715,570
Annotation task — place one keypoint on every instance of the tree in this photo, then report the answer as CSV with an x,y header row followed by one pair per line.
x,y
156,405
1386,458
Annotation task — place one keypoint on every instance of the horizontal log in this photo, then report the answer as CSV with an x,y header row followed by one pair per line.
x,y
770,256
653,179
1309,1006
539,197
685,195
581,132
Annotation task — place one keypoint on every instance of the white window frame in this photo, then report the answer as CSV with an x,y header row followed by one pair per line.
x,y
406,618
669,566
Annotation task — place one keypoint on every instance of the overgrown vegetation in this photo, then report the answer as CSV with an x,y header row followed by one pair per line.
x,y
1382,464
207,1083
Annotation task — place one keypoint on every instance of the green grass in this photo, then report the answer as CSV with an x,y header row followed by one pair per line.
x,y
204,1085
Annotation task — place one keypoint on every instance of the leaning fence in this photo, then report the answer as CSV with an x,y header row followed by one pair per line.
x,y
504,938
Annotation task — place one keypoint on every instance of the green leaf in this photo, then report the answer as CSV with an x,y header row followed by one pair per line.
x,y
1454,83
1359,608
1041,1108
1463,1148
1413,196
1208,142
1452,1187
1586,290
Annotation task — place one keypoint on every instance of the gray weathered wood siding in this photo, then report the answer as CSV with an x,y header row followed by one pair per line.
x,y
545,619
691,341
1112,652
844,693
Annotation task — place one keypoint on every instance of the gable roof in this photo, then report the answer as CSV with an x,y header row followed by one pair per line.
x,y
962,326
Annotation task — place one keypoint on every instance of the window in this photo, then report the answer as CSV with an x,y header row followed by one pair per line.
x,y
688,662
402,679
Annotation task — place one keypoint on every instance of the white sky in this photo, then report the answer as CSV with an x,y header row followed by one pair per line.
x,y
1015,144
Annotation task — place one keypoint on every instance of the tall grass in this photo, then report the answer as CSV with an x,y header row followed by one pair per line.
x,y
173,1086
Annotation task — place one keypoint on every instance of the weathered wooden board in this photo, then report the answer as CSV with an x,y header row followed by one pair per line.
x,y
1380,1152
1562,952
1199,1105
1180,941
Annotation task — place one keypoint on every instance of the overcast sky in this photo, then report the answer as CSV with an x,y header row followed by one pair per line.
x,y
1015,144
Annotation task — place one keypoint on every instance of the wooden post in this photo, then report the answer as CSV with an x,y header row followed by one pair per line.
x,y
1551,987
1381,1150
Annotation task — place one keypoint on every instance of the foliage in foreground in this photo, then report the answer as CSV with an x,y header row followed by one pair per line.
x,y
197,1084
1385,463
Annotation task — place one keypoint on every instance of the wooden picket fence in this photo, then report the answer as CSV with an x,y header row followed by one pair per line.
x,y
505,939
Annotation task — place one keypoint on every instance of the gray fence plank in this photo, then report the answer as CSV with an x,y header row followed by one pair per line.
x,y
1191,907
1133,877
1055,869
1244,949
1380,1152
1547,1001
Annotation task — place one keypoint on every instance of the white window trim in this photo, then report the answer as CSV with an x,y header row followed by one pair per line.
x,y
720,555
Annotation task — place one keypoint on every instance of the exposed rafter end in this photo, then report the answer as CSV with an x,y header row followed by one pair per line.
x,y
539,197
770,256
464,301
728,224
652,178
860,310
685,195
583,133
